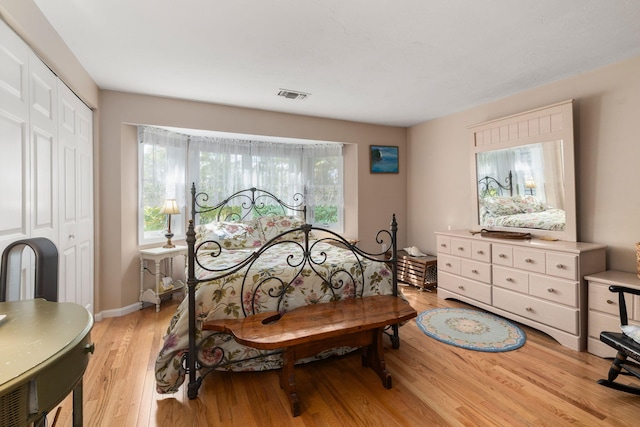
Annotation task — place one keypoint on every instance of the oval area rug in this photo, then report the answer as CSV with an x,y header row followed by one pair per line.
x,y
471,329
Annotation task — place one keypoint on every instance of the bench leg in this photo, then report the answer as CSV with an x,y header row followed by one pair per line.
x,y
288,381
373,357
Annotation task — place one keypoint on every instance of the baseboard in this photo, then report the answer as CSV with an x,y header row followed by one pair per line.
x,y
117,312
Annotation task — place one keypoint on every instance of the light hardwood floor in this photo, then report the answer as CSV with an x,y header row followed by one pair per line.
x,y
434,384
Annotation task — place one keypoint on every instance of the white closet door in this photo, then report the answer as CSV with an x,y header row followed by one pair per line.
x,y
14,137
76,199
43,120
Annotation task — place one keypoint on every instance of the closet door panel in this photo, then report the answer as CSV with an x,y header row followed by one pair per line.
x,y
14,62
76,197
43,201
43,122
13,176
14,137
68,199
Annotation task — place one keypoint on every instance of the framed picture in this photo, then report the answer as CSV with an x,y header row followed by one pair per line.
x,y
384,159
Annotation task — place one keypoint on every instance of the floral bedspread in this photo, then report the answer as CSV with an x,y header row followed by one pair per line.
x,y
550,219
226,297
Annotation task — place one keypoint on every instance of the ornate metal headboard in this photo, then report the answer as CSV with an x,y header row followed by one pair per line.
x,y
245,204
489,186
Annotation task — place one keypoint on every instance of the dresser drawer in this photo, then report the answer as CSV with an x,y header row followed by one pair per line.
x,y
444,244
468,288
509,278
502,255
529,259
548,313
476,270
461,247
481,251
448,263
601,299
599,322
557,290
562,265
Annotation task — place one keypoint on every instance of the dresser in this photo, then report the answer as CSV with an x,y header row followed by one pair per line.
x,y
604,310
535,282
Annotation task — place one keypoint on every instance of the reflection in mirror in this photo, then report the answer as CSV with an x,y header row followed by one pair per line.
x,y
522,187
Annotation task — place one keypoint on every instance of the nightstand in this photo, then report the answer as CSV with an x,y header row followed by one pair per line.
x,y
604,311
419,271
157,255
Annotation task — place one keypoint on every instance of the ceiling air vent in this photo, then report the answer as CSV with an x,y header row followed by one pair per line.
x,y
292,94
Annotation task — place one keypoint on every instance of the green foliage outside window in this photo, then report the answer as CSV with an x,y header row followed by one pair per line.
x,y
153,219
326,214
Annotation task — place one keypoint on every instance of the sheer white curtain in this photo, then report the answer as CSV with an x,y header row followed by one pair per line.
x,y
277,168
222,166
162,172
219,166
323,171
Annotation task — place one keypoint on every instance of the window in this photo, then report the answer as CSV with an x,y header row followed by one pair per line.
x,y
161,168
323,172
222,166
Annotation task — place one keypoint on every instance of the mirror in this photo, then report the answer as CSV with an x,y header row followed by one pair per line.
x,y
524,174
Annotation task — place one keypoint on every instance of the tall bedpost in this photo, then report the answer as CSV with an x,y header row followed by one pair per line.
x,y
193,201
394,254
194,382
395,338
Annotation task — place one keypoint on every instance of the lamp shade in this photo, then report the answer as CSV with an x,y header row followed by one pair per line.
x,y
170,207
529,183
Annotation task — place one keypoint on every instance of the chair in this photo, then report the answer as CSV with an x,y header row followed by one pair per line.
x,y
46,269
626,347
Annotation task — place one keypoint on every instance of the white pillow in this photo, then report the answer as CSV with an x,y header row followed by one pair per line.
x,y
632,332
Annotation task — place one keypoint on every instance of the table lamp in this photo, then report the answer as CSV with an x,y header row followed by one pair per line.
x,y
529,184
169,208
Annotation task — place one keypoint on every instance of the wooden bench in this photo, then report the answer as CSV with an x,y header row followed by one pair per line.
x,y
308,330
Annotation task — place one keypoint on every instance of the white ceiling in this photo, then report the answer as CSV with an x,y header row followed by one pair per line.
x,y
393,62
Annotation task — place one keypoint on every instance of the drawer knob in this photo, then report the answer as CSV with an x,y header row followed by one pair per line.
x,y
502,256
460,248
560,266
480,252
529,260
509,279
474,271
528,308
610,302
461,287
89,348
442,245
448,264
551,290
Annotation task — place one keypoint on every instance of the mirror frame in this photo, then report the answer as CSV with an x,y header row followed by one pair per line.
x,y
550,123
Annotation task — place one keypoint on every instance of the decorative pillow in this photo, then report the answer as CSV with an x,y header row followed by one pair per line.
x,y
632,332
231,235
530,204
277,224
499,206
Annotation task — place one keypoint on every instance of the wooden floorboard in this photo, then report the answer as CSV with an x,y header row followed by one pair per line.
x,y
434,384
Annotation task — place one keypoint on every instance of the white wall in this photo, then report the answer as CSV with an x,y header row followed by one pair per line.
x,y
606,117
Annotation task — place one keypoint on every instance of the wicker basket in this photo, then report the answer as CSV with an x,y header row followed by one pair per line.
x,y
638,258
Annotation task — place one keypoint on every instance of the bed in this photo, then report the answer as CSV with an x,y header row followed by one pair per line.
x,y
255,254
500,207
